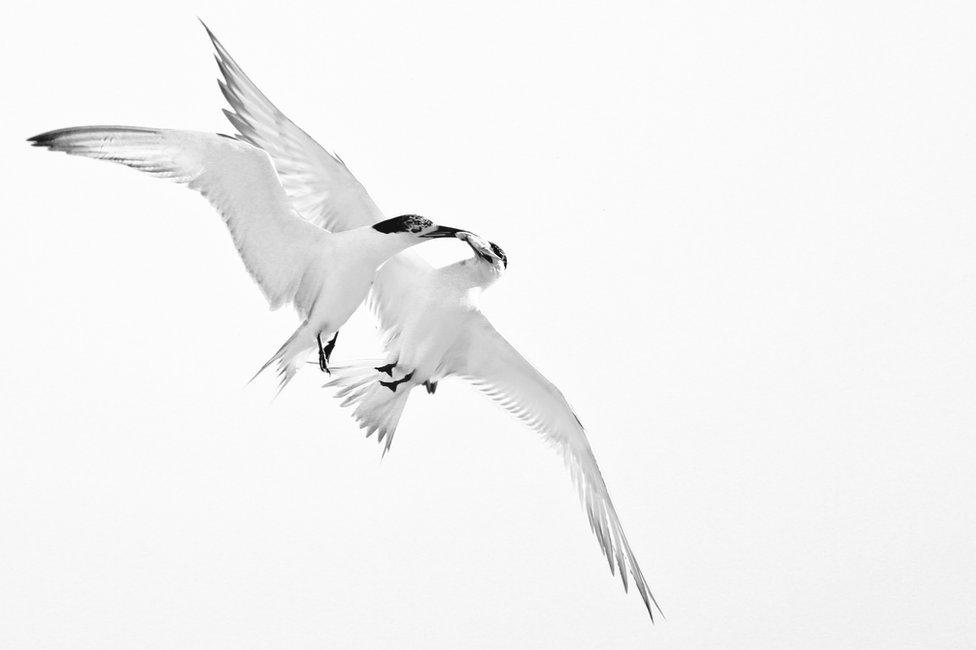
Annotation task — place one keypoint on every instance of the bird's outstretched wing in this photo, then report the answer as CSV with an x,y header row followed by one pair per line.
x,y
320,186
277,246
496,368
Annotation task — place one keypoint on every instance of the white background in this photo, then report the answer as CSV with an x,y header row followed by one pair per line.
x,y
742,240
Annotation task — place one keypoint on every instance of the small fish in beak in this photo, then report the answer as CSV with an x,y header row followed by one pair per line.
x,y
481,247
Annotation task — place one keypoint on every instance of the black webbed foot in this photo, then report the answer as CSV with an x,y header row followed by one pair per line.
x,y
329,347
323,362
325,352
392,385
431,387
388,369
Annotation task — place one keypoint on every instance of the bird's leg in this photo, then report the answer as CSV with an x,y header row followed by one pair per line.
x,y
388,368
323,355
392,385
431,386
330,346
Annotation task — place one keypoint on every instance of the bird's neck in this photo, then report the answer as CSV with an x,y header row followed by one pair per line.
x,y
376,246
470,274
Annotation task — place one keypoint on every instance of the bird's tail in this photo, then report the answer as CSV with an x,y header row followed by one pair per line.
x,y
377,409
290,355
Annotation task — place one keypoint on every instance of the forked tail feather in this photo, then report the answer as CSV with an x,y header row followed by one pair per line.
x,y
289,355
377,409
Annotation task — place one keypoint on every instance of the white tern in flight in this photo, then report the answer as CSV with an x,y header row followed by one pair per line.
x,y
325,275
432,324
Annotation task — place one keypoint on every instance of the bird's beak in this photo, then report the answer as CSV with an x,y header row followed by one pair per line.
x,y
442,231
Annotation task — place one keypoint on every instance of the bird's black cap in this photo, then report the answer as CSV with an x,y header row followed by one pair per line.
x,y
404,223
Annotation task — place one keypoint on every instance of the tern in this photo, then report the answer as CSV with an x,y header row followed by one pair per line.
x,y
324,275
432,325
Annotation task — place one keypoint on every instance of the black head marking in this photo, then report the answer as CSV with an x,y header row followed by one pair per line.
x,y
499,252
405,223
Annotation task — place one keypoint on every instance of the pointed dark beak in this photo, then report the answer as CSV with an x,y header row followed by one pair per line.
x,y
442,231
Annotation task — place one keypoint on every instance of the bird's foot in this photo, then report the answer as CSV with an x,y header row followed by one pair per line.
x,y
388,369
431,386
330,346
324,353
392,385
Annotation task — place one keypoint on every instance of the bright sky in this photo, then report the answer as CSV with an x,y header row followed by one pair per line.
x,y
741,240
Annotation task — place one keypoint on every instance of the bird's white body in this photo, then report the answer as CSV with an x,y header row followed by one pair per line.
x,y
338,281
429,338
430,325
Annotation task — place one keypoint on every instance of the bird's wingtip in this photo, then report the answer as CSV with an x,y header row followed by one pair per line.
x,y
651,604
42,139
210,34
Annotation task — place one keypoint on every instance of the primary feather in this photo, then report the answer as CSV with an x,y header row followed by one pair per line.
x,y
497,369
